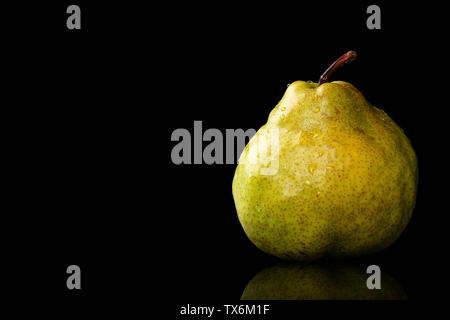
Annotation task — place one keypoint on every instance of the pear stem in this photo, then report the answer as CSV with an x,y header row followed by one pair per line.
x,y
345,58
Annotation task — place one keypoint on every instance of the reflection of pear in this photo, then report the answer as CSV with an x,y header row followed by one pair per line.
x,y
337,281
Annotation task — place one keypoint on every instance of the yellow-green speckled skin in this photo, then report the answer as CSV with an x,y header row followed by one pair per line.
x,y
346,183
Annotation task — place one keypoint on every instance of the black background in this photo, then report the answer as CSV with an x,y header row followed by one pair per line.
x,y
91,113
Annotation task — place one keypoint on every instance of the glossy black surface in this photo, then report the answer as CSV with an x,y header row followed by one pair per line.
x,y
92,181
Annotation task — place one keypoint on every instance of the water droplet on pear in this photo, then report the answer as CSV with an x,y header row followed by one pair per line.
x,y
312,167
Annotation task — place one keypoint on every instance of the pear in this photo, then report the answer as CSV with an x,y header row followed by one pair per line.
x,y
329,175
320,281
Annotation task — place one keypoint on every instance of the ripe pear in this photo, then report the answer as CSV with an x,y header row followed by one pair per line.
x,y
329,175
320,281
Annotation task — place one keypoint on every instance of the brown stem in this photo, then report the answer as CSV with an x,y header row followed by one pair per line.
x,y
348,57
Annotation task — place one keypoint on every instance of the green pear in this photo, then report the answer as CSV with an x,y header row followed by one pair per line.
x,y
328,175
324,281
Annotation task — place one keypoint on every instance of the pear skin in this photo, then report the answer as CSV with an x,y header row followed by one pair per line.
x,y
328,175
